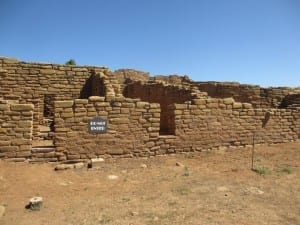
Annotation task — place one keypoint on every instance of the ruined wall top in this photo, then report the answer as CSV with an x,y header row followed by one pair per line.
x,y
54,77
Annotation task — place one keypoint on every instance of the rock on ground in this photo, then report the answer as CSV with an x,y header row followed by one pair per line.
x,y
2,211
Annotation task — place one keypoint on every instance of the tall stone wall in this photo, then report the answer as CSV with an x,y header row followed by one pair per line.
x,y
15,130
37,83
132,127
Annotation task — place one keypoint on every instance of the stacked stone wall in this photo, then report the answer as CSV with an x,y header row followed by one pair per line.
x,y
133,126
30,82
259,97
156,116
15,130
201,125
216,123
162,94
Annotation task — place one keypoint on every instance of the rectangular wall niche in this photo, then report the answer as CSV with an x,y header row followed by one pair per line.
x,y
49,105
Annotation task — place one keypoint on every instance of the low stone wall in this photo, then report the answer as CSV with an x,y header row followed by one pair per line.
x,y
15,130
215,123
259,97
132,128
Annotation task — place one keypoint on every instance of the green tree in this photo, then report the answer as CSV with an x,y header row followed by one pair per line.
x,y
71,62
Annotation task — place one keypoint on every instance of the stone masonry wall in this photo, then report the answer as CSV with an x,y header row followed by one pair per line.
x,y
259,97
156,116
30,82
132,127
15,130
215,123
162,94
202,124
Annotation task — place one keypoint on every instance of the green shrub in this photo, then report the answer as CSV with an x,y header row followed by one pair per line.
x,y
261,170
71,62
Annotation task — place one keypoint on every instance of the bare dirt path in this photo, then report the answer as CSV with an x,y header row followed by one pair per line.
x,y
208,188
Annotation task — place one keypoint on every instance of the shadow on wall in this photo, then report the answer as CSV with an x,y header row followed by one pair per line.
x,y
94,86
289,100
164,95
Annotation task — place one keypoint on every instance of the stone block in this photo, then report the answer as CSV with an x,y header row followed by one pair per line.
x,y
154,105
96,99
142,105
81,101
8,149
153,129
5,143
237,105
67,115
47,71
178,112
22,107
212,105
23,154
228,101
4,107
102,104
199,101
157,110
63,104
128,105
24,124
150,144
25,147
8,125
247,105
21,142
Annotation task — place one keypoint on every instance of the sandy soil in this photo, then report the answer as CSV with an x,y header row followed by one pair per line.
x,y
208,188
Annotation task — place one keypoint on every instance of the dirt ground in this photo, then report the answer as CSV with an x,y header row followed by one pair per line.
x,y
208,188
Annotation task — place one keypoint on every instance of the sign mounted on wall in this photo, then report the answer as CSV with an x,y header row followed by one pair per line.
x,y
97,125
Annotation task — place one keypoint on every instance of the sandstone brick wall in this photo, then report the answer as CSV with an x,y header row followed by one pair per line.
x,y
214,123
162,94
259,97
133,126
30,82
156,116
200,125
15,130
291,100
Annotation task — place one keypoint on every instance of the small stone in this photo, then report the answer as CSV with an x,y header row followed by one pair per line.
x,y
113,177
144,165
95,163
2,211
254,190
96,160
179,164
223,188
65,183
35,203
155,218
64,166
79,165
134,213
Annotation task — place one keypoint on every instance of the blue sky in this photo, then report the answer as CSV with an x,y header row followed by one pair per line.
x,y
248,41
